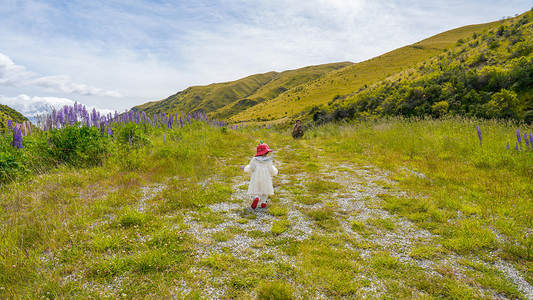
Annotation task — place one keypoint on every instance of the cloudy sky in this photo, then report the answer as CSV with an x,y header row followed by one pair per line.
x,y
115,54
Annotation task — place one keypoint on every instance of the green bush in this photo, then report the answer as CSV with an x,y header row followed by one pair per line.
x,y
77,146
131,134
11,167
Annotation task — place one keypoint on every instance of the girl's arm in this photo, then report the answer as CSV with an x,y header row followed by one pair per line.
x,y
272,169
250,167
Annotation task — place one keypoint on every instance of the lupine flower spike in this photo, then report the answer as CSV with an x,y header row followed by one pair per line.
x,y
479,135
519,138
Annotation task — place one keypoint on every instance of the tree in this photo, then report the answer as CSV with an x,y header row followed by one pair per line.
x,y
503,104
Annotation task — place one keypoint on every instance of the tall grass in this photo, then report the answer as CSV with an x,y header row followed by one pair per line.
x,y
86,218
476,195
118,228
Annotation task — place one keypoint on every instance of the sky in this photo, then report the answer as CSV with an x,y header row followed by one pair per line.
x,y
115,54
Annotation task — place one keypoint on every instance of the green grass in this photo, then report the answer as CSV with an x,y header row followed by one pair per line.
x,y
110,230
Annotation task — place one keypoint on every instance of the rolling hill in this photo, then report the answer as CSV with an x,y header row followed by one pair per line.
x,y
487,75
355,77
222,100
281,96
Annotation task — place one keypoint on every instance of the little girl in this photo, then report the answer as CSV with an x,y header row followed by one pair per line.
x,y
262,170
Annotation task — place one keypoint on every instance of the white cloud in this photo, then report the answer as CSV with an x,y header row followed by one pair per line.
x,y
32,107
12,74
65,84
149,51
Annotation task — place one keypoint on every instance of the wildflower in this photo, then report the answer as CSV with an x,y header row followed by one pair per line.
x,y
9,124
28,127
508,147
518,137
478,134
17,137
526,140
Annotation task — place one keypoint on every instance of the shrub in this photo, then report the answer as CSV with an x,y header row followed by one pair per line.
x,y
11,167
528,117
131,134
79,146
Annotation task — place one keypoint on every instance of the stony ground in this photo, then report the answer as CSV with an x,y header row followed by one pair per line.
x,y
353,194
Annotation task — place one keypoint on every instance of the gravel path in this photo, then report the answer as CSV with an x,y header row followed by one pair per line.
x,y
357,200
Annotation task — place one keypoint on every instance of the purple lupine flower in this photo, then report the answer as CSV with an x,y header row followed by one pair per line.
x,y
102,129
93,117
48,123
169,123
526,140
531,140
17,137
28,127
518,137
478,135
516,147
9,125
109,131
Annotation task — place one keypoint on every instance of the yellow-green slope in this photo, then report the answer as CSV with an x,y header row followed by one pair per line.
x,y
350,79
279,84
221,100
7,113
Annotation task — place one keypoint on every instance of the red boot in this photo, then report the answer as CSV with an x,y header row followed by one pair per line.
x,y
254,204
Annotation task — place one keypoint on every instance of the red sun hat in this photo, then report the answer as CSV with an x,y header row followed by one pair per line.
x,y
262,149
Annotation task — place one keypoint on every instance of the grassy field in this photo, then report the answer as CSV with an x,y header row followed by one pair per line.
x,y
387,209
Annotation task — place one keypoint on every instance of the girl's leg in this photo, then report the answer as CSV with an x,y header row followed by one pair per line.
x,y
264,199
255,201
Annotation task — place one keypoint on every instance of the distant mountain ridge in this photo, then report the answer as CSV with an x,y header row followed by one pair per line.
x,y
282,96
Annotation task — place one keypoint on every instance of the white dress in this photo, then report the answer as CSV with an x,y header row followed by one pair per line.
x,y
262,170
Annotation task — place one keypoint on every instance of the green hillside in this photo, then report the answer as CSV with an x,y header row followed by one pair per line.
x,y
7,113
487,75
225,99
334,91
348,80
